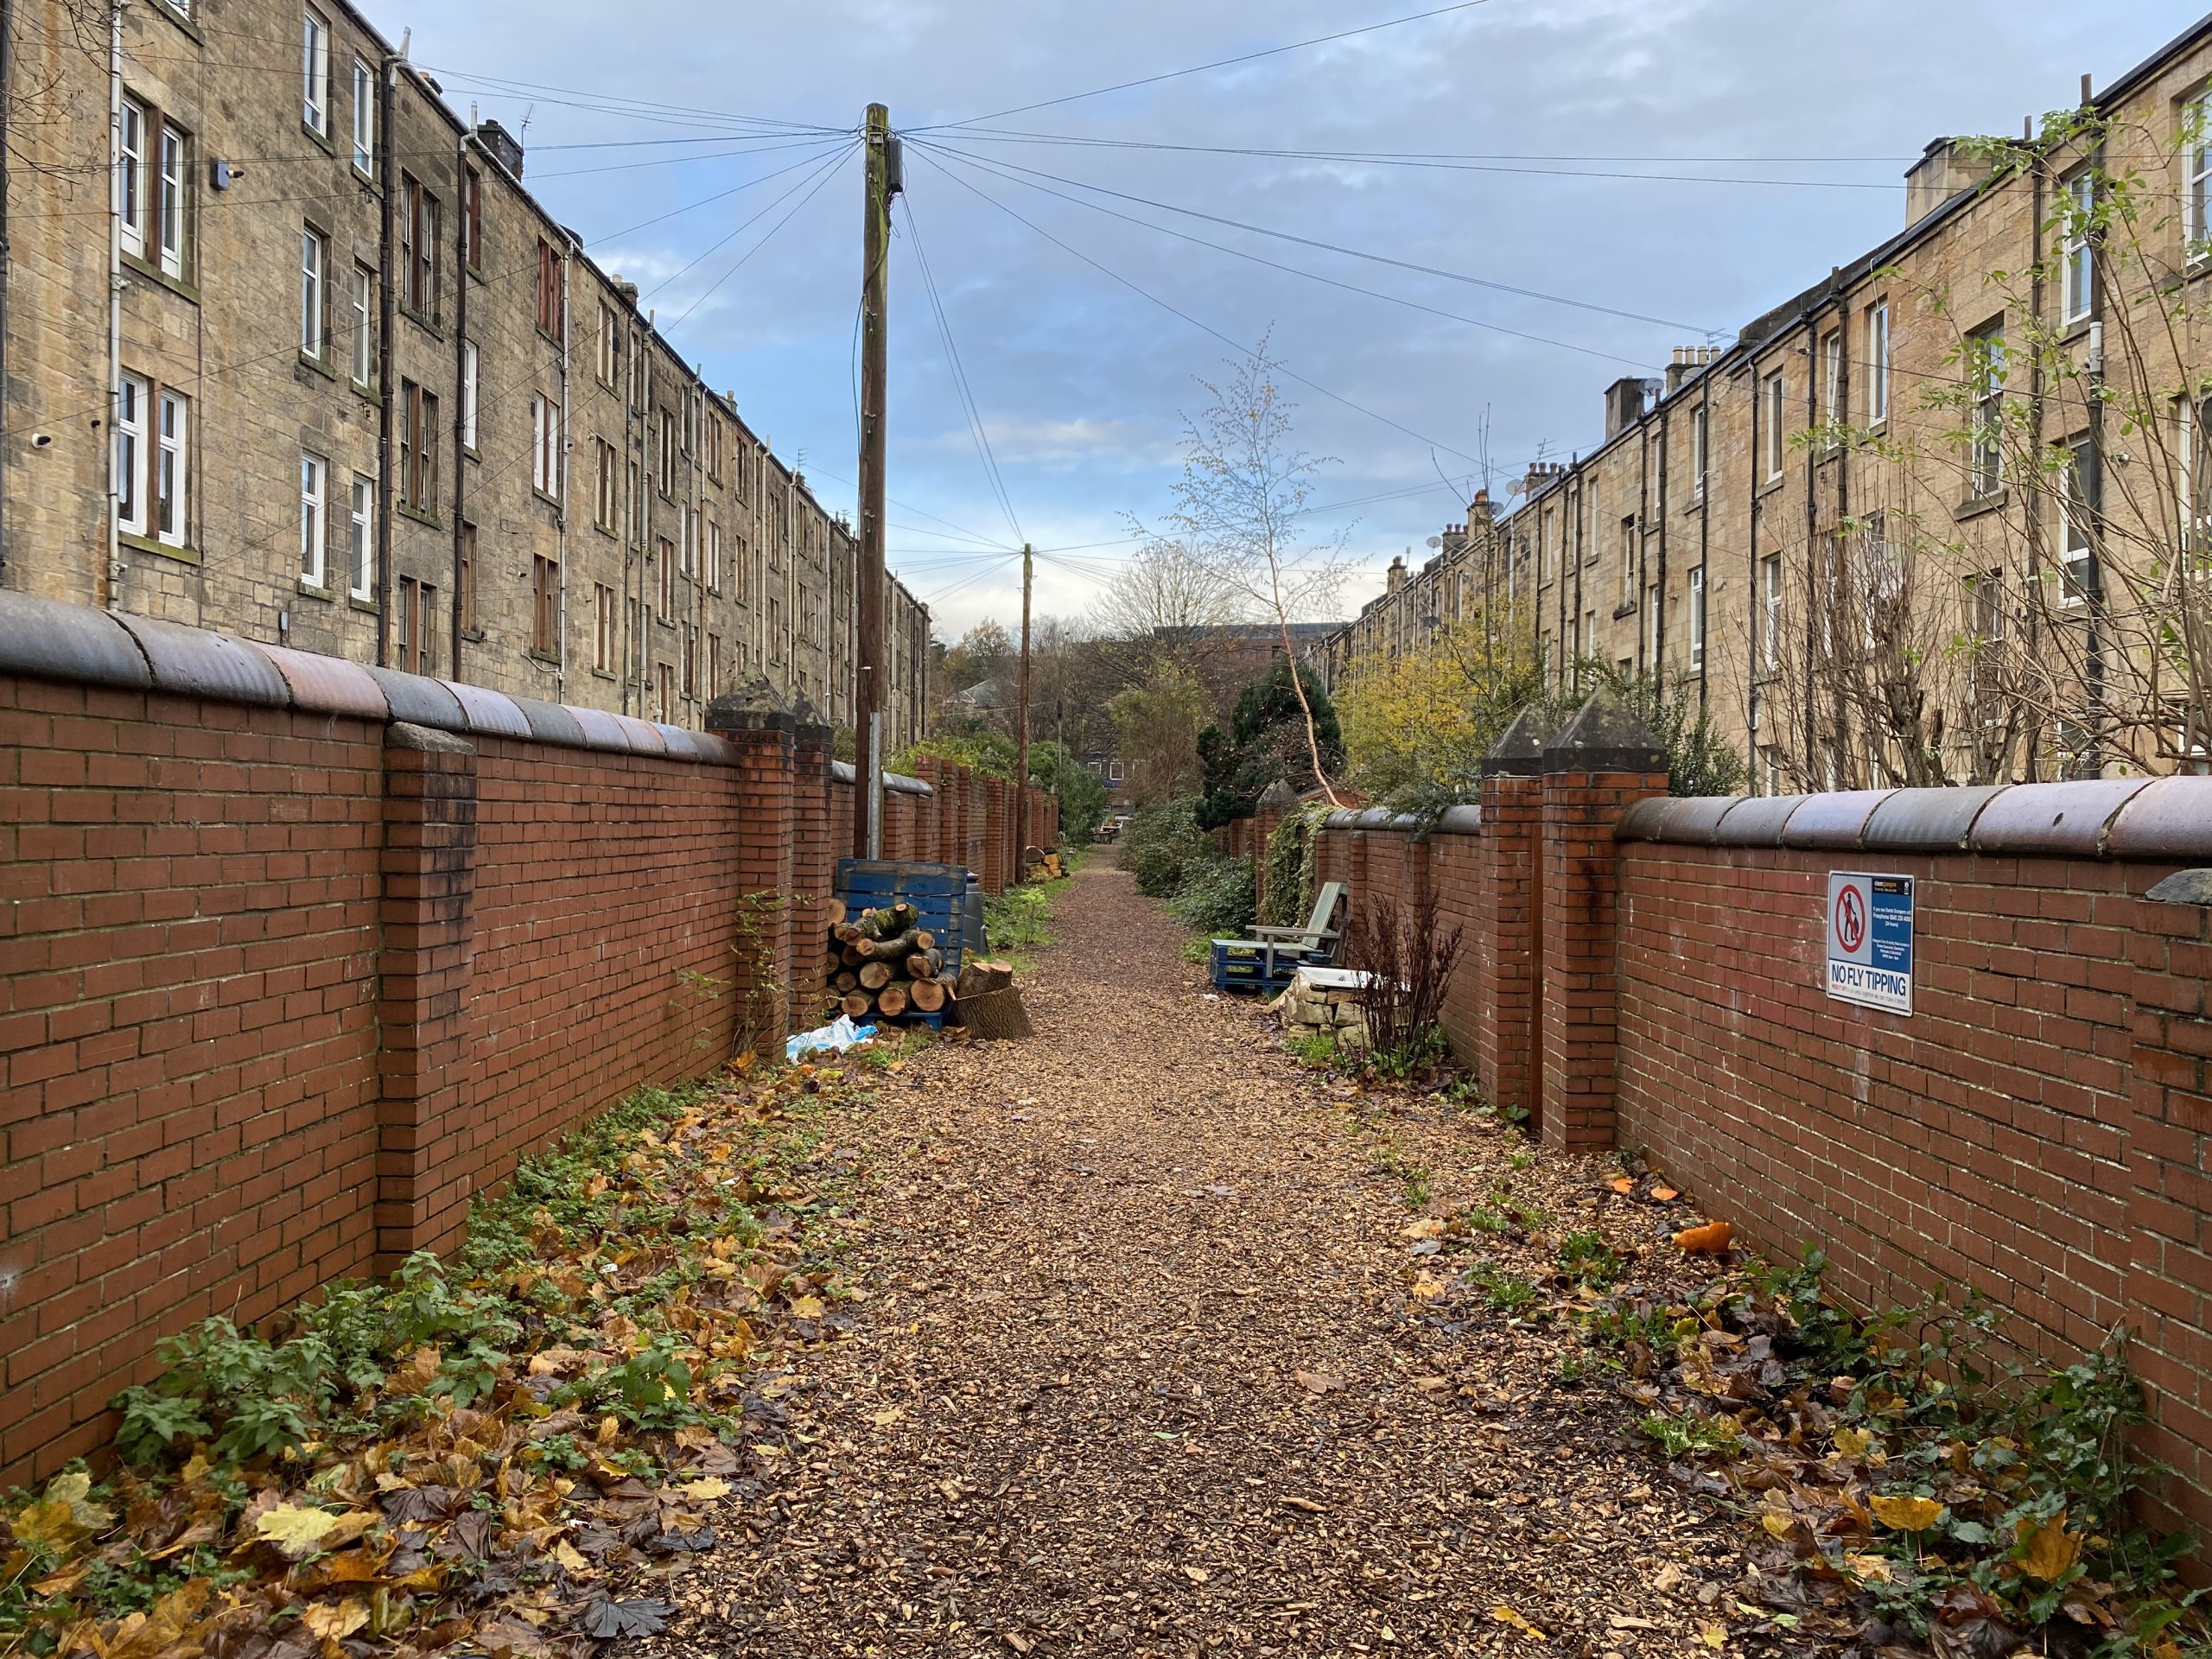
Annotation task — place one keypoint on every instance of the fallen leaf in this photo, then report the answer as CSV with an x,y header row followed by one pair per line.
x,y
1196,1574
1622,1184
1714,1635
1905,1513
1505,1615
1317,1381
294,1528
2047,1551
706,1488
335,1621
1853,1442
1306,1504
1664,1195
1869,1569
1778,1525
1709,1240
605,1618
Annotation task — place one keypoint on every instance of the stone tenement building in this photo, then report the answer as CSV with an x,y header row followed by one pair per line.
x,y
358,393
1936,518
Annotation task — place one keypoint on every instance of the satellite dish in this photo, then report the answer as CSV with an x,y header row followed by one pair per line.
x,y
1436,541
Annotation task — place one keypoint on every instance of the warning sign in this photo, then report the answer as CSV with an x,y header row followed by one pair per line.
x,y
1870,940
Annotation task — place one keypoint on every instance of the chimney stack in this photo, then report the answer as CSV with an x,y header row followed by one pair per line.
x,y
1942,172
1625,401
505,148
1687,361
1396,578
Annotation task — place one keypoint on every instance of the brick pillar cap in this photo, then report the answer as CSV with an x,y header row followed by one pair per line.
x,y
810,724
1519,751
1606,736
1278,797
753,707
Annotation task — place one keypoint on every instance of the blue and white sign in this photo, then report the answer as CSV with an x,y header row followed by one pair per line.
x,y
1870,940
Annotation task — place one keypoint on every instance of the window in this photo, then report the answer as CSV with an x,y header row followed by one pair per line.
x,y
471,219
468,394
426,632
546,445
170,207
131,176
603,642
690,660
605,504
1989,608
667,568
688,532
608,356
633,620
667,457
545,605
714,447
418,246
1629,560
714,662
2196,174
403,622
364,117
465,601
1832,382
361,540
1771,418
2081,247
2077,553
313,471
1697,620
1699,428
665,694
314,260
1113,772
744,562
315,67
1770,610
714,558
1877,362
1986,374
548,289
132,396
364,295
418,447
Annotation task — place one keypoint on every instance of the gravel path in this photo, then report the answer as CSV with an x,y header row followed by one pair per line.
x,y
1150,1367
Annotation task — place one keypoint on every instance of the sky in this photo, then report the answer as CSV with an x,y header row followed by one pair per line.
x,y
1588,182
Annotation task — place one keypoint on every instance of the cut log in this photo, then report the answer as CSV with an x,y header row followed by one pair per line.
x,y
847,980
850,955
845,933
996,1015
857,1004
927,995
981,977
923,964
924,939
834,912
888,922
874,976
895,949
890,1002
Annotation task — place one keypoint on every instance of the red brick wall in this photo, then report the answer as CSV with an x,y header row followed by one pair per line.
x,y
189,1022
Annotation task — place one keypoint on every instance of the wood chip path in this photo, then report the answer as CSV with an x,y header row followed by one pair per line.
x,y
1144,1370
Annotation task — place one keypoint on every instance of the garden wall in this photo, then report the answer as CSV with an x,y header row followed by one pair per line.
x,y
301,955
1649,973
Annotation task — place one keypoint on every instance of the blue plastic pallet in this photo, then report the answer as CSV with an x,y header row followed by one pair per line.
x,y
1240,966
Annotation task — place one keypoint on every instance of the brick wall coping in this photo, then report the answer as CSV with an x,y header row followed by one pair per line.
x,y
2160,818
46,639
1463,820
898,783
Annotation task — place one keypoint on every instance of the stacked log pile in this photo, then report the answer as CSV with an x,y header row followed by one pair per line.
x,y
885,962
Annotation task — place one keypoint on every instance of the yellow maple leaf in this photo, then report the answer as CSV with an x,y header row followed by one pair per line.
x,y
334,1621
1715,1635
1869,1569
1853,1442
708,1487
1777,1524
1505,1615
1904,1512
2047,1551
808,1307
296,1529
571,1558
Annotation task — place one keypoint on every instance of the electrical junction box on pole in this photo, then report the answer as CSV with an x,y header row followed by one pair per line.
x,y
1870,940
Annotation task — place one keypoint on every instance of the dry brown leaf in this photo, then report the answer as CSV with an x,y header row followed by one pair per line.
x,y
1317,1381
2046,1552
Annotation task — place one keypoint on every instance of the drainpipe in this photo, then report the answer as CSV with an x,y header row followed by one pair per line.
x,y
560,520
1705,536
113,586
7,80
1659,589
1811,325
387,327
461,384
1643,499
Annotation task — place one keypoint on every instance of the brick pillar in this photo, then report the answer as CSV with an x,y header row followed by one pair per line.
x,y
756,723
1603,763
994,827
1277,802
975,820
814,854
425,1175
1504,942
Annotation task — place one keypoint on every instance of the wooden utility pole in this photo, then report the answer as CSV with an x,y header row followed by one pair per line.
x,y
868,655
1021,717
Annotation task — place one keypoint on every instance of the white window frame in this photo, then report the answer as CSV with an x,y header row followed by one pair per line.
x,y
314,282
2077,288
364,117
1772,396
1700,431
315,68
170,185
132,396
545,442
714,557
1770,612
315,540
2196,175
1832,386
361,539
468,378
364,299
1986,451
171,494
1697,620
1877,362
2077,542
130,174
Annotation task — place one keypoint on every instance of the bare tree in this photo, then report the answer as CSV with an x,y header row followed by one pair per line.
x,y
1239,508
1166,598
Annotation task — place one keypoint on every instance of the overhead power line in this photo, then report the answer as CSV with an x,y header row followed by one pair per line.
x,y
960,386
1218,63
